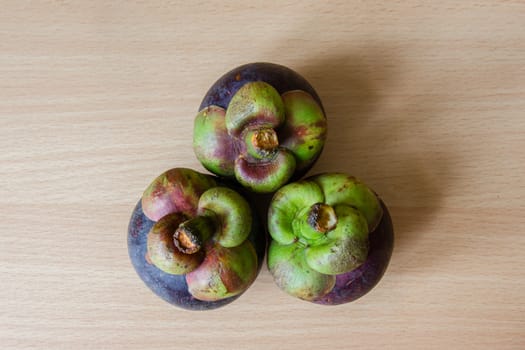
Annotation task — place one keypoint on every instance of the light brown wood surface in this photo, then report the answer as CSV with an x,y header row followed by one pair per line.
x,y
426,103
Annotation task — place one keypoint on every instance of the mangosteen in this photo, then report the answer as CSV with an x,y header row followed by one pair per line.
x,y
195,241
332,238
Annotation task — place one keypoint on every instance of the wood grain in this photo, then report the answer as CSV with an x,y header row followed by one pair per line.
x,y
425,102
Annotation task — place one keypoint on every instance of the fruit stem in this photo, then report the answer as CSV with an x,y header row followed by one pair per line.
x,y
322,218
313,222
262,142
190,236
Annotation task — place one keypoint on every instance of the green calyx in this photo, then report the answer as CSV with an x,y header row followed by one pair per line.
x,y
320,228
254,113
263,138
176,243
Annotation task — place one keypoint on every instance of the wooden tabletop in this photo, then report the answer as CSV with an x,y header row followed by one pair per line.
x,y
425,101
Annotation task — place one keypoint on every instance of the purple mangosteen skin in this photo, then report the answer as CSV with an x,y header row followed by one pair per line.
x,y
173,288
356,283
282,78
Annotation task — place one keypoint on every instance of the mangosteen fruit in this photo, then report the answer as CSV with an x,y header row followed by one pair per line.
x,y
331,238
195,241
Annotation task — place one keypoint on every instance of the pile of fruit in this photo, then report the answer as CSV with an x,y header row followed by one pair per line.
x,y
196,239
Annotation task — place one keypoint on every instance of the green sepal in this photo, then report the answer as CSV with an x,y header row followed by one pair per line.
x,y
305,128
225,272
343,189
293,275
212,145
344,248
231,213
286,204
255,102
265,176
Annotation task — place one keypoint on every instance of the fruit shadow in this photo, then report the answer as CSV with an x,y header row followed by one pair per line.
x,y
376,134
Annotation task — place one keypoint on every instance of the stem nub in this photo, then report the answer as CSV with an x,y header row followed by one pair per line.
x,y
265,139
322,218
315,221
261,143
190,236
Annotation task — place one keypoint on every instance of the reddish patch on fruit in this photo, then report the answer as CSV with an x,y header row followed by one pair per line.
x,y
293,136
253,170
227,152
176,190
224,272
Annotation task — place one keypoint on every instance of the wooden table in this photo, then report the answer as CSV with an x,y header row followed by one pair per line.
x,y
426,103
